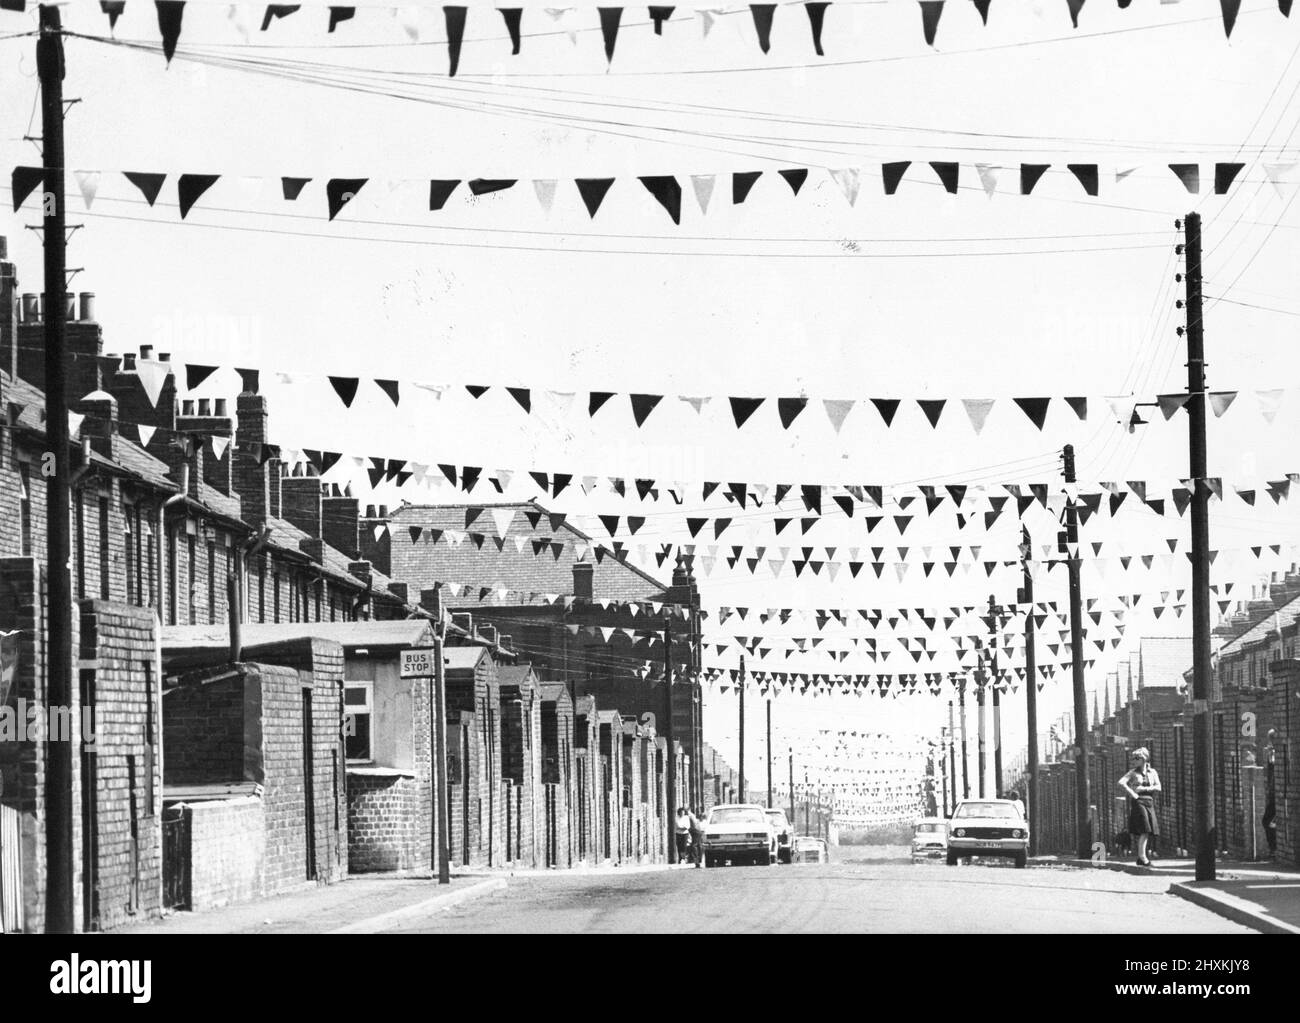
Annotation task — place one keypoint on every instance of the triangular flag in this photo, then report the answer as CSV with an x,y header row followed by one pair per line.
x,y
1170,403
836,410
1080,407
1075,7
847,180
153,375
988,177
544,188
887,407
598,398
345,388
741,183
762,14
977,409
149,184
983,7
931,11
1269,403
1229,9
795,177
658,15
24,183
609,19
1226,173
1221,400
593,192
513,17
1035,409
933,409
947,172
1086,173
455,21
339,15
669,193
743,408
190,187
340,191
523,396
643,405
274,11
113,8
88,183
1189,174
788,409
892,173
170,15
703,186
440,191
816,19
391,388
1029,175
1278,175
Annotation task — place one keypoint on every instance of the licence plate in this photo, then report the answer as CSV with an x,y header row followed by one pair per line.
x,y
988,845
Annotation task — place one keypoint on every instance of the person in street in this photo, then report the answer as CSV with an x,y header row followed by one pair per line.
x,y
1269,820
683,830
1014,796
697,837
1141,785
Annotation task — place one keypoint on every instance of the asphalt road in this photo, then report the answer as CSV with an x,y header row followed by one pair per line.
x,y
881,894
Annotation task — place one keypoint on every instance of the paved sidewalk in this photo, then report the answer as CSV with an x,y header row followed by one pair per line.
x,y
315,909
1263,895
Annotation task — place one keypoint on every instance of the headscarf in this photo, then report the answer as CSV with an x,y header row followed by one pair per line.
x,y
1142,752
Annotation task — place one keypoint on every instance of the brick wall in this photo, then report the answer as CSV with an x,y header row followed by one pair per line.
x,y
477,692
227,851
123,687
385,814
1284,716
23,764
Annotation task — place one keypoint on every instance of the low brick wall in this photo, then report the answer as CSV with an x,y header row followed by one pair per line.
x,y
384,810
227,851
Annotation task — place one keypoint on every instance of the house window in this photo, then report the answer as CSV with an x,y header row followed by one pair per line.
x,y
212,582
103,547
192,561
358,707
25,508
79,515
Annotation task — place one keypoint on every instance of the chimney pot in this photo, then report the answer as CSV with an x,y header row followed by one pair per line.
x,y
31,307
383,511
187,407
70,305
370,511
146,351
205,406
88,305
128,362
297,468
219,408
164,356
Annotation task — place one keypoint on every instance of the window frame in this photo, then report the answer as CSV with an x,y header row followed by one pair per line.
x,y
349,714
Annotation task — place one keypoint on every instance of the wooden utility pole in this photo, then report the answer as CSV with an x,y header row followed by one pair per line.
x,y
793,821
980,687
670,754
1206,834
740,768
995,622
965,755
59,900
1069,541
952,755
769,752
1031,689
440,723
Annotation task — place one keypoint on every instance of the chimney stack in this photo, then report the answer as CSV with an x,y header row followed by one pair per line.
x,y
584,574
301,498
133,403
252,470
100,424
202,421
339,521
377,549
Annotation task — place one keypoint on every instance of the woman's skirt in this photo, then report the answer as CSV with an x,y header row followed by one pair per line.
x,y
1142,819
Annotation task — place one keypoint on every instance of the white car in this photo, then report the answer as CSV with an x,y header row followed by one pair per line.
x,y
929,839
810,850
988,827
739,833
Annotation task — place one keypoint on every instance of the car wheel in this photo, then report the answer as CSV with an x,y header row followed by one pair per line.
x,y
952,859
1021,860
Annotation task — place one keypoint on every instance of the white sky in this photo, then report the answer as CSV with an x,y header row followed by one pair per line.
x,y
899,296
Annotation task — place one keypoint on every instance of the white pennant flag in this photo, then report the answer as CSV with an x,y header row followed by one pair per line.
x,y
978,410
238,16
1269,403
707,16
696,403
434,389
219,446
74,423
545,189
88,182
502,517
560,16
153,375
1279,176
988,177
563,399
1120,175
1123,408
837,409
505,476
146,434
409,19
703,185
847,179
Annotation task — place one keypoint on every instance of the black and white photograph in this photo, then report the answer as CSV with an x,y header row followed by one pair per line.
x,y
800,468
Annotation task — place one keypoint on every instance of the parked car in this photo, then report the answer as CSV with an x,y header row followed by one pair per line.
x,y
929,839
988,827
739,833
810,850
784,835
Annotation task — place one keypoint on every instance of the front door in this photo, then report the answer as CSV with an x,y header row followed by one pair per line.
x,y
309,784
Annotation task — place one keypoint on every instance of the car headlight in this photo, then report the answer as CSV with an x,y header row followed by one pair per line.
x,y
960,832
1017,833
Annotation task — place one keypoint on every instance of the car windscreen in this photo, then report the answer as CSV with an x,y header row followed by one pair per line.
x,y
737,815
929,828
778,819
1000,811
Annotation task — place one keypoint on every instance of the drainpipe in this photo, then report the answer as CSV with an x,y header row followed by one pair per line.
x,y
162,529
84,467
252,547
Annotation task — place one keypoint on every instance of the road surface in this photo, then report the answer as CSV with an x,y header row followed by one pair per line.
x,y
881,894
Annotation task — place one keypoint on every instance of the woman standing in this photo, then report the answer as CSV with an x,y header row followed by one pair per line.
x,y
1140,785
